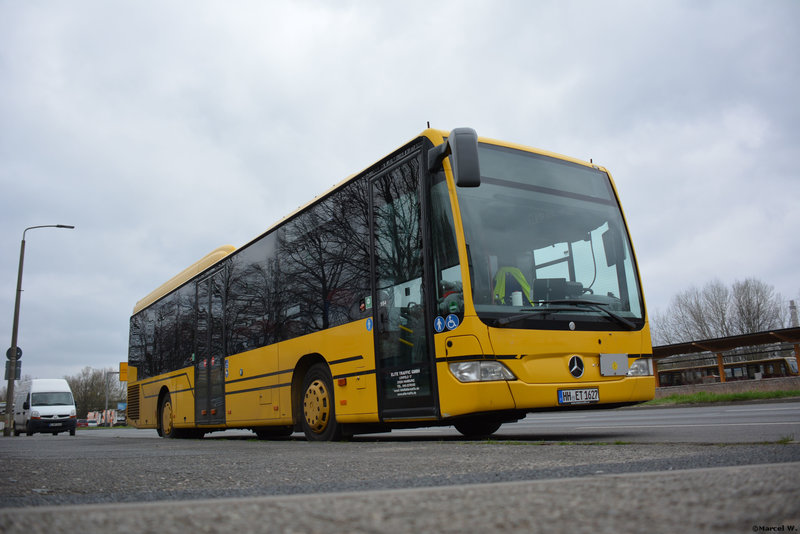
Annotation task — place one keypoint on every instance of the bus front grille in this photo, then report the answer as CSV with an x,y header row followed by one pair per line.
x,y
133,402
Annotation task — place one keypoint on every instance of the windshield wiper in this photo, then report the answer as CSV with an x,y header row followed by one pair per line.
x,y
503,321
547,309
597,306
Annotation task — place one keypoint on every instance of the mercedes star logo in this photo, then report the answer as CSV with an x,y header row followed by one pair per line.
x,y
576,366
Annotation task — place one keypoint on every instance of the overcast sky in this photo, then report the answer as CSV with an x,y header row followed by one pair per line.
x,y
162,130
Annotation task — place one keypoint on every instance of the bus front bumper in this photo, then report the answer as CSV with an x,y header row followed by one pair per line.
x,y
627,390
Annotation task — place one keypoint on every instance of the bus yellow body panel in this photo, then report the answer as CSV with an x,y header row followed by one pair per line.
x,y
457,398
348,350
258,385
251,387
180,385
539,374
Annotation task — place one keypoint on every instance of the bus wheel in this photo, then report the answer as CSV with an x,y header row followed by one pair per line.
x,y
476,427
319,414
166,417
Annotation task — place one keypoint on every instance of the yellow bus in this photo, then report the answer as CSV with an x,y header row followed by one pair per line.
x,y
458,281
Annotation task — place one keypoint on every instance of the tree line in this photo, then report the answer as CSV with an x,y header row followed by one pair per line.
x,y
718,310
89,390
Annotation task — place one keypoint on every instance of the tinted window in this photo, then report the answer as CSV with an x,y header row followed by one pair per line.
x,y
310,274
252,297
323,256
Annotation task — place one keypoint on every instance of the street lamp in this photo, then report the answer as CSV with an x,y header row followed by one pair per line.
x,y
12,352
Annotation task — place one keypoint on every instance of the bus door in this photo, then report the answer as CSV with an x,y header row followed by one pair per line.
x,y
209,365
401,324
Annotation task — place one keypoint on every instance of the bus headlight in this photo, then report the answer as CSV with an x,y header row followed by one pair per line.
x,y
481,371
641,367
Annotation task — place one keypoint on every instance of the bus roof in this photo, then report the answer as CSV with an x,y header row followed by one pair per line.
x,y
197,267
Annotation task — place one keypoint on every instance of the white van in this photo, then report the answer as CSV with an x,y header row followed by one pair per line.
x,y
44,405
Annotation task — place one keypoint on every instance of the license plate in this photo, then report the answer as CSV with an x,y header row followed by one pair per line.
x,y
578,396
55,424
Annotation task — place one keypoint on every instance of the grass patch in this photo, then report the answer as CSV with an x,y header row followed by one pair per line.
x,y
706,397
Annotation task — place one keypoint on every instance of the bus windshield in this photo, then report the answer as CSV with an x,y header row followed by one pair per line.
x,y
547,245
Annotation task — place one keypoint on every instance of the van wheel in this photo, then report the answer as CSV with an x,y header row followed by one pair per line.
x,y
72,432
28,429
14,426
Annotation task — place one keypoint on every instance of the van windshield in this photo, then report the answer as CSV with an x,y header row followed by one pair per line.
x,y
52,398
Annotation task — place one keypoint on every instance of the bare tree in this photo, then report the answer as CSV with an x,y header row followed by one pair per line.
x,y
756,306
716,300
89,389
746,307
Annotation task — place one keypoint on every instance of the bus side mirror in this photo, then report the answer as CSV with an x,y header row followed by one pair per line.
x,y
615,250
462,147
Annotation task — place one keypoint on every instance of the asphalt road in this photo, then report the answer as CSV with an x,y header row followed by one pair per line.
x,y
729,468
723,423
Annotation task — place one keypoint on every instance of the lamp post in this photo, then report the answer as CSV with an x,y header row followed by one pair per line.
x,y
12,352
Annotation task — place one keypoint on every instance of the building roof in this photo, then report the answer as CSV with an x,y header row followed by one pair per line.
x,y
720,344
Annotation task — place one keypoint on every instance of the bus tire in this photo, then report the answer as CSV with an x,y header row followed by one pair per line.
x,y
318,412
477,427
166,417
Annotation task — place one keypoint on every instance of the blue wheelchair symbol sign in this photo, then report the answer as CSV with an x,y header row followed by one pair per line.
x,y
369,324
452,322
438,324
